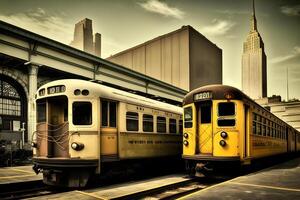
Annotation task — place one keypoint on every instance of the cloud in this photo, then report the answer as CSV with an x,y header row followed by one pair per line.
x,y
218,27
162,8
294,53
43,23
291,11
233,12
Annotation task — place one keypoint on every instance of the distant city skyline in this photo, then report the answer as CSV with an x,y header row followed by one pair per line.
x,y
124,24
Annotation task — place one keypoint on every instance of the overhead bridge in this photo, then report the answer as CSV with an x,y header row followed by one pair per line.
x,y
29,60
31,48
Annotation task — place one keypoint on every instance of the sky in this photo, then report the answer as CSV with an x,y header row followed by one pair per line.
x,y
126,23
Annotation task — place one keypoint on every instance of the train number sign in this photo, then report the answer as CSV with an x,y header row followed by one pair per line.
x,y
202,96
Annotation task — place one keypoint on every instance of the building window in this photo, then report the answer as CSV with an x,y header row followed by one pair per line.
x,y
147,123
10,102
132,121
82,113
172,125
161,124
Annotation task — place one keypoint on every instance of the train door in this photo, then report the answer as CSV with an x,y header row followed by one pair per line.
x,y
108,130
205,129
288,139
58,142
246,130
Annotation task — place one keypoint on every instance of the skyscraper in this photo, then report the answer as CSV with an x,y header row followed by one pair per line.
x,y
254,63
84,40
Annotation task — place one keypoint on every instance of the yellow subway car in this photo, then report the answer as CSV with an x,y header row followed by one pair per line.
x,y
223,126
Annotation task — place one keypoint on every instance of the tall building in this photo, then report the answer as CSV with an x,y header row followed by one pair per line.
x,y
183,58
84,40
254,63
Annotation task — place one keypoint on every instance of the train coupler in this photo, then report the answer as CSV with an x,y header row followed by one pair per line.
x,y
203,169
36,169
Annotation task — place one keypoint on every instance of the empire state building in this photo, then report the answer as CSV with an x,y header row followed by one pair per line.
x,y
254,63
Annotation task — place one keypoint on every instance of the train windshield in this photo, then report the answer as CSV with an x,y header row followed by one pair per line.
x,y
82,113
226,109
188,117
53,110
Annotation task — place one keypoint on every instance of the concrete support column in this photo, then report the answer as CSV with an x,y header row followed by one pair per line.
x,y
32,88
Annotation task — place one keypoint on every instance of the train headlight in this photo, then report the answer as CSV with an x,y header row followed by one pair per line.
x,y
222,143
185,135
77,92
185,142
77,146
33,145
224,134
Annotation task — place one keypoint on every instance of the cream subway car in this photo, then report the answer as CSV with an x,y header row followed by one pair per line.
x,y
82,127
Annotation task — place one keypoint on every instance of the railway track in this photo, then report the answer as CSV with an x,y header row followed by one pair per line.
x,y
159,191
171,191
26,192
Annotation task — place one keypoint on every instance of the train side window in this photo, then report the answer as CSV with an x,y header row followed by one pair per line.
x,y
41,112
264,130
254,127
82,113
147,123
104,113
254,116
180,127
112,114
226,122
188,117
273,130
172,125
132,121
108,113
258,129
226,109
161,125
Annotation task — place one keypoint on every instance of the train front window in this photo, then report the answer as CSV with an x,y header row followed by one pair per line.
x,y
188,117
226,109
82,113
226,122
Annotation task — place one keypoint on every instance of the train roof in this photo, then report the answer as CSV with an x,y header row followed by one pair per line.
x,y
218,91
97,90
